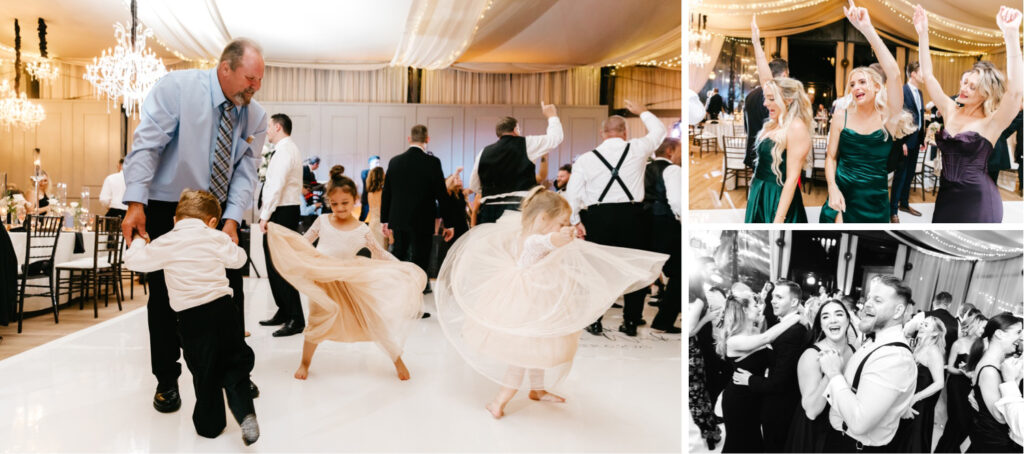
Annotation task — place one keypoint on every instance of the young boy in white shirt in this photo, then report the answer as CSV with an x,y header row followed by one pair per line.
x,y
193,257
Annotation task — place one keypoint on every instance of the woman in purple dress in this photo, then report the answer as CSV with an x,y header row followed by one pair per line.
x,y
989,102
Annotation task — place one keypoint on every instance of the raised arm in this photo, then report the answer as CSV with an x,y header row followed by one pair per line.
x,y
656,131
537,146
1009,22
764,73
746,343
942,102
798,144
858,16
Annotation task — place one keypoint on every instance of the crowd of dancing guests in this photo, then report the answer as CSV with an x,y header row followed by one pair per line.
x,y
829,373
879,128
365,269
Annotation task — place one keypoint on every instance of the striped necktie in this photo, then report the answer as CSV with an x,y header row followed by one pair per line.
x,y
222,154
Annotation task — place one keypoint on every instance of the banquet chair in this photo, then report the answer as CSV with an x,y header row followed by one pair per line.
x,y
924,171
738,129
102,269
695,132
819,149
732,162
42,234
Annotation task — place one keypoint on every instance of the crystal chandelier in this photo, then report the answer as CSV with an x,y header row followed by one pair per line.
x,y
698,57
42,68
15,109
129,70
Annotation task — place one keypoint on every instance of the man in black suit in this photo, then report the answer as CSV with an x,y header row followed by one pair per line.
x,y
904,173
780,389
1000,159
413,188
755,113
715,104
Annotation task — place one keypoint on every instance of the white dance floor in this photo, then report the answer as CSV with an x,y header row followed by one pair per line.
x,y
93,390
1013,212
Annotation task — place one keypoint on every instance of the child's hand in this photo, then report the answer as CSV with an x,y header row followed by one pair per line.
x,y
568,232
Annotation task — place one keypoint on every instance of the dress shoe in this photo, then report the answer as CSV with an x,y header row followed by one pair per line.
x,y
290,327
616,306
425,315
894,219
595,328
910,210
254,392
669,330
628,328
273,321
642,322
167,401
427,290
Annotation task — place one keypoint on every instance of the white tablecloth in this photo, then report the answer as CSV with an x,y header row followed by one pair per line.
x,y
64,253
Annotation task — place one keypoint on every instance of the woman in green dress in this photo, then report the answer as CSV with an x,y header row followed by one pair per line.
x,y
862,134
782,146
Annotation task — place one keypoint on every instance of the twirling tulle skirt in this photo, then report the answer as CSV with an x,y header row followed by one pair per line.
x,y
353,300
504,318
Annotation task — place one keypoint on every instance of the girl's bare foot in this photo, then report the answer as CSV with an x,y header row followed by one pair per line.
x,y
544,396
403,373
302,372
496,410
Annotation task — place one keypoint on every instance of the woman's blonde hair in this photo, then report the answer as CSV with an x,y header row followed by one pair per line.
x,y
542,201
991,85
937,339
795,104
881,102
734,320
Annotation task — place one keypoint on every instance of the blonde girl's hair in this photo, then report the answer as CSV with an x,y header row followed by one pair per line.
x,y
542,201
734,319
795,104
991,85
881,100
938,338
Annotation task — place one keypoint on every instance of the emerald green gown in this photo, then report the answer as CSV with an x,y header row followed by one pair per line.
x,y
765,191
862,177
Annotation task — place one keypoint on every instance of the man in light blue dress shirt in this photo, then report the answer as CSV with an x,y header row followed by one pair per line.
x,y
200,129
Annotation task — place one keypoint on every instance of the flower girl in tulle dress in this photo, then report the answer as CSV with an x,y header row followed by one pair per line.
x,y
352,298
514,296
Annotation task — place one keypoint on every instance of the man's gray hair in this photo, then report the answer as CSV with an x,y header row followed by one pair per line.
x,y
235,49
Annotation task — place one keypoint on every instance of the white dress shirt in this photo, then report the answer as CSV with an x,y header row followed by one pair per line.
x,y
193,257
536,146
673,176
112,194
283,186
590,176
1011,404
889,369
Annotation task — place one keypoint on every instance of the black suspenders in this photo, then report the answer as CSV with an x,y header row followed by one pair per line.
x,y
615,174
860,368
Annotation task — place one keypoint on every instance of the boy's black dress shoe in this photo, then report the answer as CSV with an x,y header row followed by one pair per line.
x,y
273,321
254,392
290,327
595,328
167,401
628,328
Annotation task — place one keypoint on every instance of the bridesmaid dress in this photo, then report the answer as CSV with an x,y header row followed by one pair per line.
x,y
957,389
915,434
862,177
966,193
987,434
741,407
765,191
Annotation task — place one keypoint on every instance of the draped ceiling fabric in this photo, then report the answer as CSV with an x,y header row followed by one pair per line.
x,y
978,267
659,88
503,36
950,21
578,86
699,74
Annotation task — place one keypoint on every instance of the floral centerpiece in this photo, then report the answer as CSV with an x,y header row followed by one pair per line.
x,y
13,202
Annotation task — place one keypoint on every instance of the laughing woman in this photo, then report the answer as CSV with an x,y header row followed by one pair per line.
x,y
782,146
830,332
990,103
855,166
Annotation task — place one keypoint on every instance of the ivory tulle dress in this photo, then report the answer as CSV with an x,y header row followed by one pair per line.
x,y
351,298
502,304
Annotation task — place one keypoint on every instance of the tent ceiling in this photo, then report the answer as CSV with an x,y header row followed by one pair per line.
x,y
973,14
360,34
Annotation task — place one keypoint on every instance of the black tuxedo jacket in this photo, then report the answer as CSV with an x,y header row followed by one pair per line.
x,y
754,115
781,383
918,114
413,188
